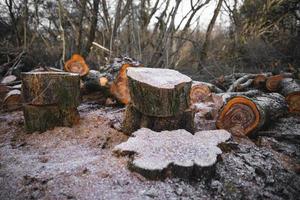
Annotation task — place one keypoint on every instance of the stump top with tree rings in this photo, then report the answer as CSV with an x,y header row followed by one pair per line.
x,y
160,78
77,65
199,92
293,100
239,111
48,88
273,82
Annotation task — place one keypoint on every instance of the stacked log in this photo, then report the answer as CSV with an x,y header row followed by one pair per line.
x,y
243,115
50,99
290,88
159,100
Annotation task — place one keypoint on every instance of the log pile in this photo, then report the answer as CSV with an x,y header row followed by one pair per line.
x,y
50,99
110,80
249,103
160,100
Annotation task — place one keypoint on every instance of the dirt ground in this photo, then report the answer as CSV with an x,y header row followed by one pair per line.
x,y
77,163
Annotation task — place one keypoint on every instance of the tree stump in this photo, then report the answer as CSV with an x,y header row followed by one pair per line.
x,y
157,155
48,88
134,120
42,118
159,100
159,92
50,99
242,115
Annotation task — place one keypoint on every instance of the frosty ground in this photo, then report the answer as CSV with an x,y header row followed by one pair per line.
x,y
78,163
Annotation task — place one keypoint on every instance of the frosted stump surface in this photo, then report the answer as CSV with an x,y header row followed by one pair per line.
x,y
161,78
179,152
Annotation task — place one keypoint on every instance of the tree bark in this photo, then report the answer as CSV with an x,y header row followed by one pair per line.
x,y
42,118
211,25
134,120
93,27
290,88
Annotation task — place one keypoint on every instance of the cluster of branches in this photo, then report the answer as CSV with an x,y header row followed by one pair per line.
x,y
153,31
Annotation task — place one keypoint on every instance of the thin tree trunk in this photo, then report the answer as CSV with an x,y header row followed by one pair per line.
x,y
82,14
93,28
211,25
62,31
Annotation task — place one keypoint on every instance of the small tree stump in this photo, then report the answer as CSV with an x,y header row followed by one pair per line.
x,y
48,88
159,92
50,99
157,155
134,119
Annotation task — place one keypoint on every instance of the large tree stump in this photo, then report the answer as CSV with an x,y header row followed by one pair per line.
x,y
134,120
290,88
50,99
159,92
48,88
242,115
157,155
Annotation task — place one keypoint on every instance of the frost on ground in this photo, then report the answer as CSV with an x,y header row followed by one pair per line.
x,y
77,163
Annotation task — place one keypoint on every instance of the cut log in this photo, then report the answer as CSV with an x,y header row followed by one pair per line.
x,y
201,90
134,119
77,65
12,100
8,79
4,89
273,82
95,81
51,88
243,116
42,118
290,88
178,153
260,81
159,92
119,88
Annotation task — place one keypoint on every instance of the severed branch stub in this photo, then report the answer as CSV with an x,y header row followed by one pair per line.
x,y
178,153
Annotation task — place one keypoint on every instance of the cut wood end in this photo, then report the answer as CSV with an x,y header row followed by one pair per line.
x,y
273,82
156,77
259,80
239,112
8,79
77,65
199,92
293,101
103,81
